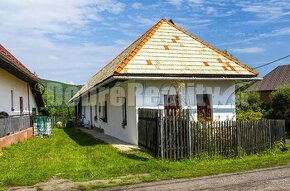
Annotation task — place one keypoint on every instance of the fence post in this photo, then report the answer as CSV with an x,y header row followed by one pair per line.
x,y
189,132
161,124
284,130
270,133
238,137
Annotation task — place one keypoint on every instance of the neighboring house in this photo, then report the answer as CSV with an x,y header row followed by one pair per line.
x,y
280,76
166,68
18,87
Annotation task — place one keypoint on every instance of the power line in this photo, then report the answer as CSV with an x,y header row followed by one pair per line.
x,y
272,62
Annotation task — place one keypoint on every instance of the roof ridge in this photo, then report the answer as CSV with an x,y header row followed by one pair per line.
x,y
211,47
148,34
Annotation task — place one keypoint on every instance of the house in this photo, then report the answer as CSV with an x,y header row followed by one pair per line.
x,y
18,87
166,68
276,78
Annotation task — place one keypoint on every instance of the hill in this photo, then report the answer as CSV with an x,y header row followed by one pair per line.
x,y
57,93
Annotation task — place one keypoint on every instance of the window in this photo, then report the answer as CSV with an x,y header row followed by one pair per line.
x,y
34,111
103,111
12,100
124,113
21,105
204,107
171,102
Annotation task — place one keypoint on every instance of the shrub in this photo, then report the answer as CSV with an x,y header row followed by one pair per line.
x,y
249,115
280,102
249,106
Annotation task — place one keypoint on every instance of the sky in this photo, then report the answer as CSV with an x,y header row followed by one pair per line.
x,y
70,40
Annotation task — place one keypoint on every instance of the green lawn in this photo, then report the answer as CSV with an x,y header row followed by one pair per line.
x,y
73,155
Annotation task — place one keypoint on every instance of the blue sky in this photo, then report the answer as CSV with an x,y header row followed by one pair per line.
x,y
70,40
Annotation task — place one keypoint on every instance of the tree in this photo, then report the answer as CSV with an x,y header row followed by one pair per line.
x,y
280,102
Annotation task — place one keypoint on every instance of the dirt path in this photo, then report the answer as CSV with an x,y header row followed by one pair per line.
x,y
67,185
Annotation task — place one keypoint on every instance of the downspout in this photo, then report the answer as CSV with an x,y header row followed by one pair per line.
x,y
28,99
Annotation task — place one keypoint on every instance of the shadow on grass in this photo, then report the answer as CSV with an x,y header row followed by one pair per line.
x,y
288,135
82,138
134,156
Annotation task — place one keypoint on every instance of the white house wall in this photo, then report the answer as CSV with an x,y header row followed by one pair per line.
x,y
113,126
140,94
222,91
10,82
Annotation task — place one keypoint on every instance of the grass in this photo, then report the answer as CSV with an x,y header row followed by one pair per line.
x,y
73,155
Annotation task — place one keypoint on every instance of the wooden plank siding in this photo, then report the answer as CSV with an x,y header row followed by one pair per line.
x,y
12,125
173,135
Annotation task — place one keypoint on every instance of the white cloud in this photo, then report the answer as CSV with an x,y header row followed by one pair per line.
x,y
137,5
195,1
249,50
49,37
175,2
210,10
48,16
266,11
143,20
277,32
274,33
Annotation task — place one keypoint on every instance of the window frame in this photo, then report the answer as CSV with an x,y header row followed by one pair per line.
x,y
103,108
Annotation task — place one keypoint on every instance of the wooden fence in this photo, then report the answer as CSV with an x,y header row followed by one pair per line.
x,y
11,125
148,130
172,135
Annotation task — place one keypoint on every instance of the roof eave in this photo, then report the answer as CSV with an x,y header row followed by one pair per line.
x,y
10,67
184,77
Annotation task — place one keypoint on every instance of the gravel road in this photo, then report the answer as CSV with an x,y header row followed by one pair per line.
x,y
276,178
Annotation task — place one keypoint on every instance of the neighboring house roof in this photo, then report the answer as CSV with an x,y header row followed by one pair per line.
x,y
278,77
9,63
168,50
18,67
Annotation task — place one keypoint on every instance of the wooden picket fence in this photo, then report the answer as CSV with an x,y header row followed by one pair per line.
x,y
173,135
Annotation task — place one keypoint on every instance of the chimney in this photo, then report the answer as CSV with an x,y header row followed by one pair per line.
x,y
170,20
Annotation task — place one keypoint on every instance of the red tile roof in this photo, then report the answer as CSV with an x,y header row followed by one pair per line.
x,y
11,60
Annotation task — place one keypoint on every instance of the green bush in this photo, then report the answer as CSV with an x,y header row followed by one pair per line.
x,y
249,115
280,102
249,106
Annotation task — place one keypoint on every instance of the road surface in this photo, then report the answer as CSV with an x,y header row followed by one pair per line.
x,y
276,178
